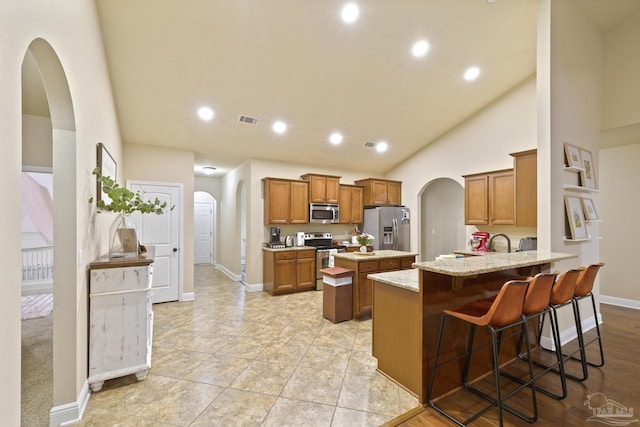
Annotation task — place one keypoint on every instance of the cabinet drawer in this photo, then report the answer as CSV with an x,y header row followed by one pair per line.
x,y
286,255
368,266
307,253
390,264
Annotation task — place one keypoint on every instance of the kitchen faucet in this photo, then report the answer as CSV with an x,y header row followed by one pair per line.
x,y
503,235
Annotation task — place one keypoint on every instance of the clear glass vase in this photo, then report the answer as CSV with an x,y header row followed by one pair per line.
x,y
123,241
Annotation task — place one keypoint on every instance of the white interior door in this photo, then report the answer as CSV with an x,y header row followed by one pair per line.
x,y
162,232
203,232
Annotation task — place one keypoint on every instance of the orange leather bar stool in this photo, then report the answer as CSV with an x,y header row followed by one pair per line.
x,y
562,294
584,288
503,313
537,304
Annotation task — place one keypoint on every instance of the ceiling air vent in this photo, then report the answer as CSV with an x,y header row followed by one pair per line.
x,y
369,144
248,119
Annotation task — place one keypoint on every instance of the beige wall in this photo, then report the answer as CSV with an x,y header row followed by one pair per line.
x,y
618,210
622,68
36,141
72,31
147,163
480,144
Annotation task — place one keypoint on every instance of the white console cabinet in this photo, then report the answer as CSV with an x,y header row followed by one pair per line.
x,y
120,319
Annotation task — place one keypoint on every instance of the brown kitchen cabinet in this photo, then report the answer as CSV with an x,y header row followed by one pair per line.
x,y
490,198
286,201
362,285
351,205
525,168
381,192
322,188
289,271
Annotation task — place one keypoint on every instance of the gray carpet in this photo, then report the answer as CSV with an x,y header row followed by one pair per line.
x,y
37,371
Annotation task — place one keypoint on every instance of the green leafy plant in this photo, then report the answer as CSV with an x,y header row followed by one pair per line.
x,y
364,239
124,201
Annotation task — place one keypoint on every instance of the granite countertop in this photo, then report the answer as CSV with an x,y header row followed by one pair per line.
x,y
469,266
380,254
406,279
290,248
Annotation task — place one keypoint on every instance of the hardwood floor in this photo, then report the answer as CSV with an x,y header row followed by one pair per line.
x,y
616,380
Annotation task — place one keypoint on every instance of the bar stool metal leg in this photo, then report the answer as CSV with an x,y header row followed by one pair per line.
x,y
503,313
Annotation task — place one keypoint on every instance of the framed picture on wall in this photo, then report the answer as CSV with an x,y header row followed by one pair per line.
x,y
589,210
572,153
588,174
575,216
107,168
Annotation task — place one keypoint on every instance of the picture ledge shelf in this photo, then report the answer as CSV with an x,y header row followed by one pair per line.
x,y
567,239
579,188
573,169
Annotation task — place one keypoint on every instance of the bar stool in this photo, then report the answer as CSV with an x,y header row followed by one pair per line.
x,y
584,288
503,313
562,295
537,304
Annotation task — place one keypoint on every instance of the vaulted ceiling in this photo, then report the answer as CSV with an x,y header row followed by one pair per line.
x,y
297,61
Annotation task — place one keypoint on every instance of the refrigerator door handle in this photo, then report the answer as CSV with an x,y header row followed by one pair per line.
x,y
395,233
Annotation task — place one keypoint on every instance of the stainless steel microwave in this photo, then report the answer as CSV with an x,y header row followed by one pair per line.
x,y
324,213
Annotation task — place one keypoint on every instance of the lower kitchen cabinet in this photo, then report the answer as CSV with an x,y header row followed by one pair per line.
x,y
362,266
120,319
288,271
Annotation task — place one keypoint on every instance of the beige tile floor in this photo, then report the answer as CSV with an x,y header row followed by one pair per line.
x,y
237,358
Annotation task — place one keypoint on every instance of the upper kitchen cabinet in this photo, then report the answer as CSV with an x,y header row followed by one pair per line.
x,y
381,192
286,201
489,198
322,188
351,205
525,166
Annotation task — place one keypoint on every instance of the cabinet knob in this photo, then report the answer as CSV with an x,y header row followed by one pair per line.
x,y
175,249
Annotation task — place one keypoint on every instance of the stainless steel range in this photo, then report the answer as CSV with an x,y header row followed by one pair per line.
x,y
325,249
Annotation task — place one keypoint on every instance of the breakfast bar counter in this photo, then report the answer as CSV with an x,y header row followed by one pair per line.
x,y
408,304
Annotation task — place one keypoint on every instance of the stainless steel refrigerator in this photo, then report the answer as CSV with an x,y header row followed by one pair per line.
x,y
389,225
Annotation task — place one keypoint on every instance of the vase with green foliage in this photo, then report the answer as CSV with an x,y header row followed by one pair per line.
x,y
123,238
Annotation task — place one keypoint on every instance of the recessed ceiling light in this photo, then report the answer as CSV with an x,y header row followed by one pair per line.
x,y
205,113
471,73
279,127
209,170
335,138
350,13
420,48
381,147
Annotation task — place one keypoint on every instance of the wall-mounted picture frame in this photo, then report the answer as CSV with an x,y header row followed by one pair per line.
x,y
589,209
572,153
108,167
588,174
575,215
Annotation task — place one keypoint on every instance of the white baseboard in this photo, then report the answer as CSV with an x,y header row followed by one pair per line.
x,y
238,278
70,413
570,333
258,287
621,302
228,273
188,296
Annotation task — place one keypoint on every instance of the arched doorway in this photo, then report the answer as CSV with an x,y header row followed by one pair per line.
x,y
441,218
63,162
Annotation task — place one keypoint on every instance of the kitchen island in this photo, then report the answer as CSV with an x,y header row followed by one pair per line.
x,y
407,307
367,263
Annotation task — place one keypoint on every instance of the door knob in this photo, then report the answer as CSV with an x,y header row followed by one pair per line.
x,y
175,249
